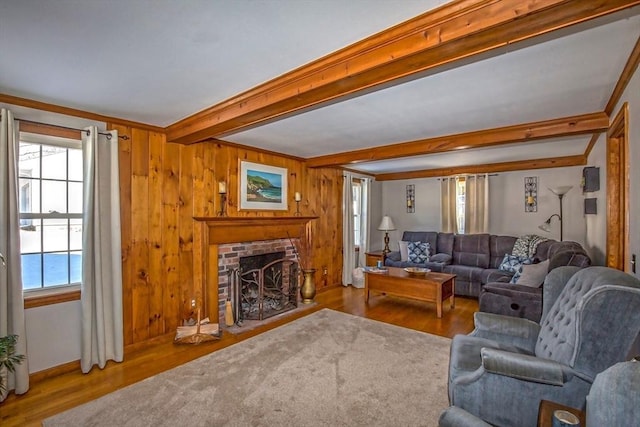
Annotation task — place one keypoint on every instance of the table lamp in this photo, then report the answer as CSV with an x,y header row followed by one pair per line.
x,y
386,225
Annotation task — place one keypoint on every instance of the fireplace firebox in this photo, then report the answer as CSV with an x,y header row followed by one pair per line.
x,y
267,285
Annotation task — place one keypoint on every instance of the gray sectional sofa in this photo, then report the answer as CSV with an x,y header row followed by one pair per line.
x,y
476,258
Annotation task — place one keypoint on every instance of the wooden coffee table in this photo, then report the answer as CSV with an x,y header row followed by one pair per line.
x,y
430,287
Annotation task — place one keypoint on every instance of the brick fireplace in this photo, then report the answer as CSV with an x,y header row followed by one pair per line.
x,y
230,261
220,241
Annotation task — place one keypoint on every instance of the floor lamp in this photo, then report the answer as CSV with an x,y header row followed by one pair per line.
x,y
560,192
386,225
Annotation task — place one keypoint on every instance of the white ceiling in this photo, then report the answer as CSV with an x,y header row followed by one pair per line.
x,y
158,61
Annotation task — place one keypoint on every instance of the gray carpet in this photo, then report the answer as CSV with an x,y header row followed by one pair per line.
x,y
325,369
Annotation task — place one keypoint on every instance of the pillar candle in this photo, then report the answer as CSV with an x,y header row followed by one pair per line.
x,y
222,187
298,197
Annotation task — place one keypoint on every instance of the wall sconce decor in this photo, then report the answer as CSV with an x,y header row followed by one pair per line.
x,y
297,197
386,225
411,198
531,194
560,192
222,191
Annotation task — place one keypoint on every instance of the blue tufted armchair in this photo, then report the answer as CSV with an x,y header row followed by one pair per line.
x,y
501,371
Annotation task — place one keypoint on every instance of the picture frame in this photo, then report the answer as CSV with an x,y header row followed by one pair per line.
x,y
262,187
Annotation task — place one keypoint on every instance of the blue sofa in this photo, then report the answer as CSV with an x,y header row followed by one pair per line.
x,y
475,258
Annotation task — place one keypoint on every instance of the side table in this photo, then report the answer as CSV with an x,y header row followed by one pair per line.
x,y
371,258
546,409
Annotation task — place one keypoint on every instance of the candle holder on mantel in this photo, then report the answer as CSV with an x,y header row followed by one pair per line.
x,y
222,190
297,198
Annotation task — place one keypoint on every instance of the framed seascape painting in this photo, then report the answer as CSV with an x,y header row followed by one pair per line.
x,y
262,187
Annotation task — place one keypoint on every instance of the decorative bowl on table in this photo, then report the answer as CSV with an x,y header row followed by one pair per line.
x,y
417,271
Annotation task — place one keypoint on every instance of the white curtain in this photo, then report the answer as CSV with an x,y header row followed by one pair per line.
x,y
348,244
448,204
11,300
364,221
476,215
101,300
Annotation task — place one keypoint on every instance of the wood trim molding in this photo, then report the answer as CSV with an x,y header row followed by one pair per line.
x,y
628,71
65,368
49,299
38,105
454,31
618,191
46,129
575,125
555,162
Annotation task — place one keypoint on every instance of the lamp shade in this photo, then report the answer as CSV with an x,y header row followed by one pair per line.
x,y
561,190
386,224
545,226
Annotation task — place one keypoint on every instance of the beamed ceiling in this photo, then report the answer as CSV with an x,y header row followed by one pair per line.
x,y
395,89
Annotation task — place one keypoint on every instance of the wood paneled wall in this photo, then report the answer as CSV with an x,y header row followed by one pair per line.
x,y
165,185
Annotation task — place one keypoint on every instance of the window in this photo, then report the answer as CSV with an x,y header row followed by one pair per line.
x,y
50,202
356,189
460,205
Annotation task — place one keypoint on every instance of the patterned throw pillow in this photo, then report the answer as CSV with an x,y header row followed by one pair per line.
x,y
513,263
418,252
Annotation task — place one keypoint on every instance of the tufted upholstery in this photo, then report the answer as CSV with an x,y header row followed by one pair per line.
x,y
502,370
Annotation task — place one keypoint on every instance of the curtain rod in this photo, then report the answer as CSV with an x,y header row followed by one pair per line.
x,y
465,175
108,135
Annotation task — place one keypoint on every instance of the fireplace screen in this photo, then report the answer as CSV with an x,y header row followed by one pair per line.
x,y
268,290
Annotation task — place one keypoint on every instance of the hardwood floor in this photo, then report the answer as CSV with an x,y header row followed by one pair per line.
x,y
50,396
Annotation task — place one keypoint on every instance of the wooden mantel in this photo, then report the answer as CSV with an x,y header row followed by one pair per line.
x,y
220,230
234,229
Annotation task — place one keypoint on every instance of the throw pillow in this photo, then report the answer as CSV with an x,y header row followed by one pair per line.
x,y
404,251
512,263
418,252
532,274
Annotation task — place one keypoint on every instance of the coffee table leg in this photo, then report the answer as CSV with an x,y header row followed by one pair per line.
x,y
439,308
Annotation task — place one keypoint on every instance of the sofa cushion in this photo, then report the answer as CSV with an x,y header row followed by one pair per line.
x,y
490,275
430,237
418,252
513,263
465,273
433,266
471,250
445,243
498,246
577,259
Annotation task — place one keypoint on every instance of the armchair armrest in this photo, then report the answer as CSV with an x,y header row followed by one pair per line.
x,y
393,256
457,417
524,367
516,331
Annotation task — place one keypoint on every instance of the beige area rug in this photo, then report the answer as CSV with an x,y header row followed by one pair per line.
x,y
325,369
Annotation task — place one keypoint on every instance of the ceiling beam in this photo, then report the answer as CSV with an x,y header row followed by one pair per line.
x,y
555,162
454,31
628,72
574,125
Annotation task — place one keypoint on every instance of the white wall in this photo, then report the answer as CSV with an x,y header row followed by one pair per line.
x,y
53,335
506,195
596,238
427,207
